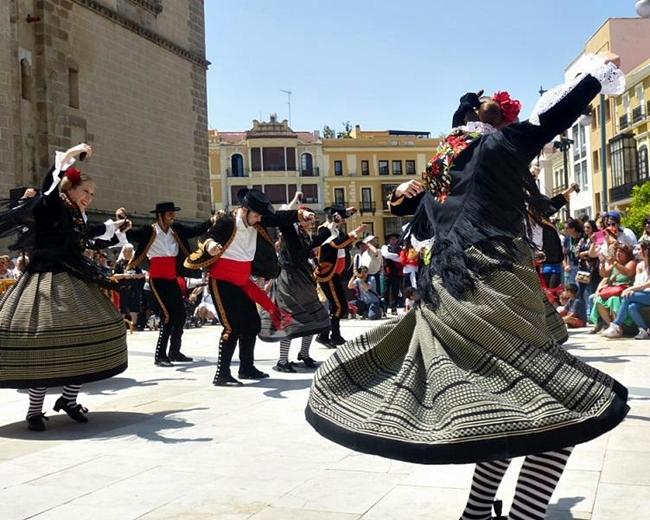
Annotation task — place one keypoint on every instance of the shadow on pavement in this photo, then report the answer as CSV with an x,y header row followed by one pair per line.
x,y
112,385
276,387
107,425
183,368
561,510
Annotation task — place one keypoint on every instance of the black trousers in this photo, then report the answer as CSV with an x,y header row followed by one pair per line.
x,y
172,316
392,284
335,294
241,322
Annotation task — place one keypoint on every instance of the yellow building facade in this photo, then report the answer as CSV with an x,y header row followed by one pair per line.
x,y
271,157
363,169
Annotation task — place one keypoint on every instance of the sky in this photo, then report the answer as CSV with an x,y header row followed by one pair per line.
x,y
386,64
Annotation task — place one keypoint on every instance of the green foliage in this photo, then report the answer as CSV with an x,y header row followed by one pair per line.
x,y
328,132
639,208
345,133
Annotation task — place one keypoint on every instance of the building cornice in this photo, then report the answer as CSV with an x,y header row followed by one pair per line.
x,y
134,27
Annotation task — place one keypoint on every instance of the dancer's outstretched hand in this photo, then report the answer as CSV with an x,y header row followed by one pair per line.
x,y
409,189
612,58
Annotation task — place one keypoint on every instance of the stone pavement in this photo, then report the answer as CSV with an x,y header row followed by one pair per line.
x,y
166,444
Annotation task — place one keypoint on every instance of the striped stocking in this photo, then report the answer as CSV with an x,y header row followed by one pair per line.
x,y
486,480
285,344
36,398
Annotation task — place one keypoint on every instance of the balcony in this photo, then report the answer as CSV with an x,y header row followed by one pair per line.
x,y
638,115
310,172
624,191
236,173
368,206
558,189
623,122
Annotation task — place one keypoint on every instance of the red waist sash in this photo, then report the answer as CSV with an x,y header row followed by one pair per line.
x,y
162,267
233,271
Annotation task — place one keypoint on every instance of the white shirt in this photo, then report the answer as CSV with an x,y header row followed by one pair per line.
x,y
164,244
372,262
244,245
388,255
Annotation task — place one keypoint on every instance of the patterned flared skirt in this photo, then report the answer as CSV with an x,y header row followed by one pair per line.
x,y
56,329
474,380
295,292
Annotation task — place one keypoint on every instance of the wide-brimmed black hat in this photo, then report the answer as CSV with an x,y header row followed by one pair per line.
x,y
161,207
256,201
342,211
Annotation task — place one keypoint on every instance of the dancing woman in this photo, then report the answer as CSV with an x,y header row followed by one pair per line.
x,y
56,326
473,374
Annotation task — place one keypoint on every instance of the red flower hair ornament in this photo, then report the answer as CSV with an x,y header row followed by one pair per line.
x,y
510,108
73,175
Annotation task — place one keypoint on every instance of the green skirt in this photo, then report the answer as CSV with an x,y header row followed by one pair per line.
x,y
56,329
474,380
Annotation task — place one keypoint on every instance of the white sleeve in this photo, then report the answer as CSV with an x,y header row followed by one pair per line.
x,y
59,166
110,231
610,77
388,255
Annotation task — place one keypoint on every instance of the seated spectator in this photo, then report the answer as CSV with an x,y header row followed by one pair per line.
x,y
624,235
573,311
411,297
6,268
635,299
21,264
368,301
617,276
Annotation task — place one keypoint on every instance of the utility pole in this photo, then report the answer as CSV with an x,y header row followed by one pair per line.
x,y
288,93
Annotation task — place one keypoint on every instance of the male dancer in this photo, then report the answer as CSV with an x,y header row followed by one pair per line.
x,y
392,272
332,262
236,247
165,245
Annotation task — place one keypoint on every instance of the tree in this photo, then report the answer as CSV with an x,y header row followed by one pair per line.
x,y
328,132
639,208
347,130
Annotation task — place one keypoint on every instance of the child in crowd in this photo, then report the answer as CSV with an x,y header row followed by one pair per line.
x,y
573,310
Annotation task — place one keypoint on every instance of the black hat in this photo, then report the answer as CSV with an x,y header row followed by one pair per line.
x,y
161,207
256,201
331,211
468,104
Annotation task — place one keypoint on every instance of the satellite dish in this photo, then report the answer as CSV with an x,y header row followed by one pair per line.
x,y
643,8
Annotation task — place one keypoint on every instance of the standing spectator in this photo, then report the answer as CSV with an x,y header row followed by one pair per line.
x,y
410,260
552,253
131,292
372,259
588,275
573,233
392,272
625,235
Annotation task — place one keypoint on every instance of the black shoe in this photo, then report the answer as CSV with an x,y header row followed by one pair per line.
x,y
35,422
253,373
163,362
226,381
75,411
308,361
180,358
284,366
337,341
323,341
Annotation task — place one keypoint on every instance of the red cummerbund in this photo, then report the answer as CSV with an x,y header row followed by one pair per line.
x,y
162,267
339,267
233,271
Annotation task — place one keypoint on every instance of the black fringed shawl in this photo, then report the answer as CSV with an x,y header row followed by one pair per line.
x,y
491,191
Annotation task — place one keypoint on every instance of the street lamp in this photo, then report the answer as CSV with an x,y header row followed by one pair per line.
x,y
563,145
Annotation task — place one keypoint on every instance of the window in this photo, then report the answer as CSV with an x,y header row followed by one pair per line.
x,y
291,191
410,167
291,159
558,178
623,153
306,165
73,87
366,201
595,158
339,196
237,166
234,201
277,193
370,228
338,168
397,167
643,161
26,79
386,190
580,175
310,193
393,225
256,159
273,159
365,168
383,167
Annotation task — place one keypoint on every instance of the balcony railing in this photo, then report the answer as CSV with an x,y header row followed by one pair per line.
x,y
313,172
623,122
624,191
310,200
368,206
637,114
236,173
558,189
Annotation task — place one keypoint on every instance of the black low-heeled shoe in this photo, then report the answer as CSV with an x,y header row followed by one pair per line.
x,y
284,366
35,422
226,381
75,411
308,361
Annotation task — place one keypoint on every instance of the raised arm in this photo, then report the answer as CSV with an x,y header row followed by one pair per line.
x,y
406,198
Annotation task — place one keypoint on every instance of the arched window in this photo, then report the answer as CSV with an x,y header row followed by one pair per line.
x,y
642,155
237,165
306,164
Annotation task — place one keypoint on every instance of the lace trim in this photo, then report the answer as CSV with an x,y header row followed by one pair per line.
x,y
610,77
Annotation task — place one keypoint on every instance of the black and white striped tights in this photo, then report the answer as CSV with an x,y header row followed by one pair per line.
x,y
37,396
286,343
537,480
